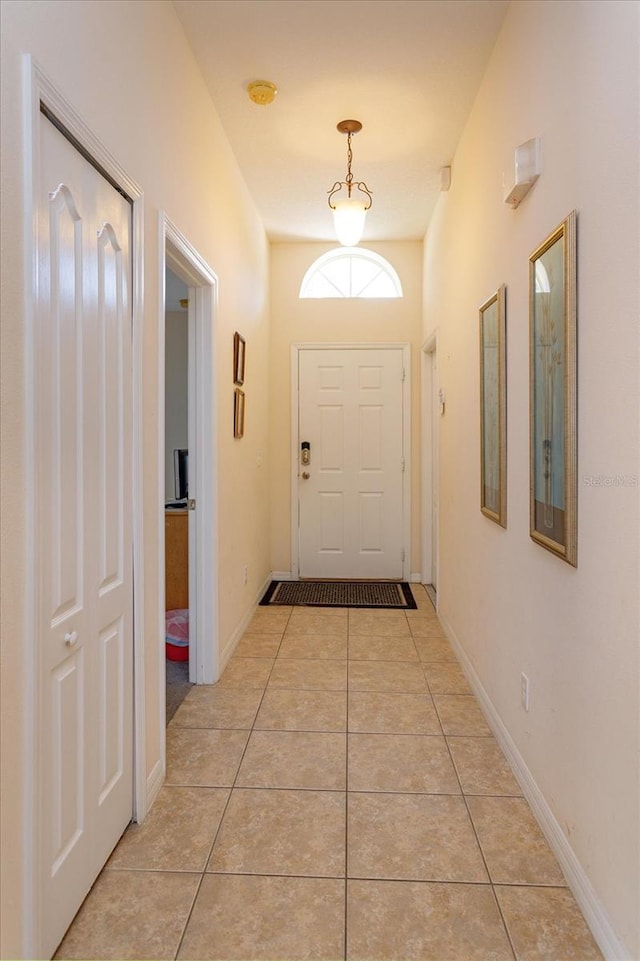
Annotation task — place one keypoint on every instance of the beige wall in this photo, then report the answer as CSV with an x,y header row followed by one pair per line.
x,y
127,70
567,73
296,321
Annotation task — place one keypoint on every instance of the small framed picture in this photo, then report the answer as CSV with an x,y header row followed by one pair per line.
x,y
238,413
553,393
493,409
239,349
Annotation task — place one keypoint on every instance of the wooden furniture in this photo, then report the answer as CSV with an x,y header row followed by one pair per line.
x,y
176,552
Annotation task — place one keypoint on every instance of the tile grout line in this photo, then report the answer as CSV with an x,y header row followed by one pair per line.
x,y
346,802
347,790
461,793
339,877
464,797
217,832
482,855
329,790
475,834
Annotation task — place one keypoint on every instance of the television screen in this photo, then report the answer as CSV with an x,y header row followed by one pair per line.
x,y
181,474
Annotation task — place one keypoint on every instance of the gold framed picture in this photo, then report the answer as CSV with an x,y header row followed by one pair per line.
x,y
553,393
238,412
239,350
493,408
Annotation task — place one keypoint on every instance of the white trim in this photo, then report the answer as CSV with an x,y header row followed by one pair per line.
x,y
159,770
141,802
193,442
31,913
594,912
293,459
352,345
231,644
176,252
406,443
155,781
430,441
427,480
282,576
38,89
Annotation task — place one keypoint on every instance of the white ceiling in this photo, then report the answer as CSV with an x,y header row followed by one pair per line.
x,y
409,70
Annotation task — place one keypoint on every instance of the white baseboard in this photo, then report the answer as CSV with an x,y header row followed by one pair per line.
x,y
594,913
415,578
433,595
232,643
154,783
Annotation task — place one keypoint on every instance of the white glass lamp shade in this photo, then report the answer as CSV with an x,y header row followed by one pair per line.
x,y
348,217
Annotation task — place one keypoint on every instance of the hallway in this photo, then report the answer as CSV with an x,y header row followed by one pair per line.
x,y
243,854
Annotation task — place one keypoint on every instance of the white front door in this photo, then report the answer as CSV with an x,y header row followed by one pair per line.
x,y
350,492
83,527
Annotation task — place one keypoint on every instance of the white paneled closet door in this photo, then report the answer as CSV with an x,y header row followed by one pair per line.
x,y
84,576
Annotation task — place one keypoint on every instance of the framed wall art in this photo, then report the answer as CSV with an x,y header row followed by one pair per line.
x,y
239,350
238,412
553,392
493,408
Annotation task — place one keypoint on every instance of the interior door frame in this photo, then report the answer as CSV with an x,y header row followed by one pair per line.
x,y
406,445
430,469
182,258
39,91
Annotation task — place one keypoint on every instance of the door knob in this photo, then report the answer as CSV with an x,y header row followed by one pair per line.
x,y
306,475
71,638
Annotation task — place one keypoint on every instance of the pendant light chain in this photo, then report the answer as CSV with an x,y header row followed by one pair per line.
x,y
349,180
344,127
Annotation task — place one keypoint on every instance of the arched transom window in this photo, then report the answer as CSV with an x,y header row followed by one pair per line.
x,y
350,272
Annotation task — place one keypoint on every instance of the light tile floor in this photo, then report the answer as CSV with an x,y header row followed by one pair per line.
x,y
337,795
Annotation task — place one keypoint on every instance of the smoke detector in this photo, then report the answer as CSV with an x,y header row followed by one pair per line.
x,y
262,92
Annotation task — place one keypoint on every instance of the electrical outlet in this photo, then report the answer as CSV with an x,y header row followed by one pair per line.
x,y
524,691
245,574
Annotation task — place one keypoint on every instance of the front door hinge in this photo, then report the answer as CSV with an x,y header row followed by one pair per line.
x,y
404,374
402,555
402,464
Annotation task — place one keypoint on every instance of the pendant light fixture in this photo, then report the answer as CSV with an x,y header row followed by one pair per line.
x,y
349,211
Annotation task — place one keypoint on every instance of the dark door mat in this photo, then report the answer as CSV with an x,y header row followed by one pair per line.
x,y
378,594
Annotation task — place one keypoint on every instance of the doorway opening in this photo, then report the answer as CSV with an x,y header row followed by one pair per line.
x,y
180,628
433,407
186,471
